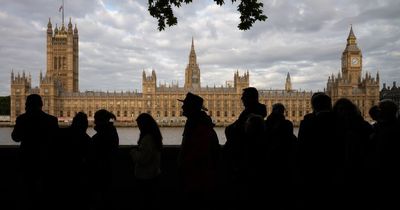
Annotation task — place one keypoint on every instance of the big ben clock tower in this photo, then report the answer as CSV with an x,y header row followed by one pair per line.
x,y
363,91
352,60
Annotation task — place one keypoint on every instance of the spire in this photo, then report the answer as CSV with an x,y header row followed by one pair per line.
x,y
76,30
288,84
49,27
351,39
351,34
377,77
12,74
153,74
49,24
288,77
192,71
69,24
62,27
192,56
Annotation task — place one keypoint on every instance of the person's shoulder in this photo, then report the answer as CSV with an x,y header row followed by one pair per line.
x,y
288,122
21,117
51,118
309,116
262,110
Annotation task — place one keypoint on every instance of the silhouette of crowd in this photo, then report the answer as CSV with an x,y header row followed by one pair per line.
x,y
338,159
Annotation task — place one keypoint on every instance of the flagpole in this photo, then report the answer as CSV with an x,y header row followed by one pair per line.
x,y
63,12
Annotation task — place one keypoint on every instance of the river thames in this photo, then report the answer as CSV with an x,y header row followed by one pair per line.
x,y
127,135
130,135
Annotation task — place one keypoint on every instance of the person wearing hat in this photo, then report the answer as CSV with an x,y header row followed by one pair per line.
x,y
198,156
36,131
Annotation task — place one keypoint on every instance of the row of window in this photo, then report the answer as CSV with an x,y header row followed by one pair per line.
x,y
59,62
158,113
149,104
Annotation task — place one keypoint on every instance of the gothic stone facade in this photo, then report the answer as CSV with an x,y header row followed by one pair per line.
x,y
59,88
363,91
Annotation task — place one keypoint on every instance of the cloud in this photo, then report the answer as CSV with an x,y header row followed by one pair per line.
x,y
119,39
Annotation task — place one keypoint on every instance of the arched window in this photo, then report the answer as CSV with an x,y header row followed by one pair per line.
x,y
59,62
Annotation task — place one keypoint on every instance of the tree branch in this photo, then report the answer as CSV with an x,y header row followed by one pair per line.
x,y
250,12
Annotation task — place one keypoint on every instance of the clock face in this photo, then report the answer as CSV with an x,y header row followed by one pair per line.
x,y
354,61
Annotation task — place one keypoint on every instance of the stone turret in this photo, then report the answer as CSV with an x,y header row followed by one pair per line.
x,y
63,56
240,82
20,89
149,83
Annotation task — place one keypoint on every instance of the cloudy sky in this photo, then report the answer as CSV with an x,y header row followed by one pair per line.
x,y
119,39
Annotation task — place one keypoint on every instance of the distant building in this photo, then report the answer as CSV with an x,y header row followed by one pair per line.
x,y
59,88
349,83
392,93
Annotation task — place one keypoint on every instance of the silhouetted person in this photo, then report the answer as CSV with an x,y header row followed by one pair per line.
x,y
280,142
254,153
105,147
36,131
387,156
351,138
198,156
353,132
73,163
147,159
316,152
319,103
234,153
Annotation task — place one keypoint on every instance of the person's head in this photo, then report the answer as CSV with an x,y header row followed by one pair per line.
x,y
103,117
249,96
321,102
374,112
33,103
278,108
192,104
80,122
254,125
344,108
147,125
388,110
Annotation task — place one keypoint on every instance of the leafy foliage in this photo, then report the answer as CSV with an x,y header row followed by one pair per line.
x,y
250,12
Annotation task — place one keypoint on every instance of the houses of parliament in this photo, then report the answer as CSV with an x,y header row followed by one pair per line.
x,y
59,88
